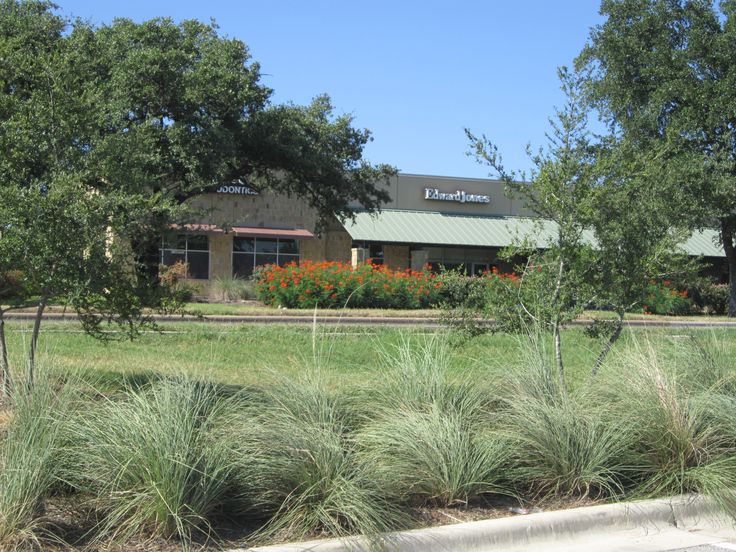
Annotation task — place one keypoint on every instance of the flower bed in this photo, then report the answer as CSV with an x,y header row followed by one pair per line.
x,y
334,284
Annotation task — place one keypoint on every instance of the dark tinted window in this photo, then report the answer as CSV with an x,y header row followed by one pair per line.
x,y
243,245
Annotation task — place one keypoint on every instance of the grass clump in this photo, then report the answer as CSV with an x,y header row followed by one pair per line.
x,y
233,288
31,456
427,435
560,443
683,412
155,461
299,465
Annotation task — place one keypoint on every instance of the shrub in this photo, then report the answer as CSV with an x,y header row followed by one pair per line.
x,y
155,461
31,455
710,298
663,298
333,284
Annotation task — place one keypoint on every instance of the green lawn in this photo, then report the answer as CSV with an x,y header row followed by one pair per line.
x,y
249,354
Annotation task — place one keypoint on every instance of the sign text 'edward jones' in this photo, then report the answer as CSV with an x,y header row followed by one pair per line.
x,y
461,196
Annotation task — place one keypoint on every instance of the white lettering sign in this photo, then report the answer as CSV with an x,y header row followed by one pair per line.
x,y
460,196
237,189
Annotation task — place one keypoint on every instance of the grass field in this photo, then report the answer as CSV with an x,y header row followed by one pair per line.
x,y
250,354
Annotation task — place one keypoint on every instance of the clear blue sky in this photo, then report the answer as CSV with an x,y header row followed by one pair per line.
x,y
415,72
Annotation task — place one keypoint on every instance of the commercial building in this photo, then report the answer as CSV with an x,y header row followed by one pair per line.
x,y
429,220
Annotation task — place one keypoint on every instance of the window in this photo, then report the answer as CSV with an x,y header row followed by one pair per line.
x,y
249,253
194,250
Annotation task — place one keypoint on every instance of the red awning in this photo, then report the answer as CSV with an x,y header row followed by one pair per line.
x,y
260,232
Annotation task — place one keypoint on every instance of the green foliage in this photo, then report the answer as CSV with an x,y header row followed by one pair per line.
x,y
427,437
106,131
710,298
232,288
334,284
31,460
681,408
663,298
299,465
156,461
661,74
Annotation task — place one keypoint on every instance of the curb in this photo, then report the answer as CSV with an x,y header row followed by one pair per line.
x,y
536,531
431,322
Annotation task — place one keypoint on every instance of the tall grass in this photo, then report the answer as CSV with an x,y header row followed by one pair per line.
x,y
31,455
560,442
299,466
155,460
433,456
427,435
683,409
232,288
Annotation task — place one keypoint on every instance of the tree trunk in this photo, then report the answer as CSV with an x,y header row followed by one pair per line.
x,y
558,356
34,341
558,337
5,381
727,235
609,344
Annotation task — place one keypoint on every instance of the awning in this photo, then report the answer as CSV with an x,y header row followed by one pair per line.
x,y
260,232
441,229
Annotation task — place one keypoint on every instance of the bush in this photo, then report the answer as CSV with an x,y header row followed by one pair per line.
x,y
663,298
333,284
710,298
155,461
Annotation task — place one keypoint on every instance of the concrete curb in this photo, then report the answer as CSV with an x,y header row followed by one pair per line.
x,y
534,531
361,320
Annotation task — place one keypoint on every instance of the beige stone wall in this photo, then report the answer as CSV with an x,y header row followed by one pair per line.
x,y
266,210
221,255
396,257
338,245
312,250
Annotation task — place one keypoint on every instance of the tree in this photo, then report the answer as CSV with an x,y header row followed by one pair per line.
x,y
662,75
614,229
559,189
106,132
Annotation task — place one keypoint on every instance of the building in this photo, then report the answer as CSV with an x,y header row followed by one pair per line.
x,y
430,220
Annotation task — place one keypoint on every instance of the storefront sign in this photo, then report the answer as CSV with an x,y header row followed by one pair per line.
x,y
237,189
460,196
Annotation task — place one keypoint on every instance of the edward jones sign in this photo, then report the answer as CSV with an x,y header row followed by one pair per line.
x,y
459,196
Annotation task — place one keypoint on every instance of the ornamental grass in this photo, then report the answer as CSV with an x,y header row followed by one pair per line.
x,y
157,461
32,456
296,458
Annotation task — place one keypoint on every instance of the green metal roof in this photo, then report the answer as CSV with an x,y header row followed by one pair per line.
x,y
433,228
704,242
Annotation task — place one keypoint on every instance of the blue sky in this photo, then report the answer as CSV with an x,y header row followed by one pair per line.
x,y
414,72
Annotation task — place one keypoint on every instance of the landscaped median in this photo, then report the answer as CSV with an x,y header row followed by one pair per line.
x,y
181,460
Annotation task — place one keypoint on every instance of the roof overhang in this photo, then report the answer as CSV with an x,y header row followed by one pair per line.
x,y
260,232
